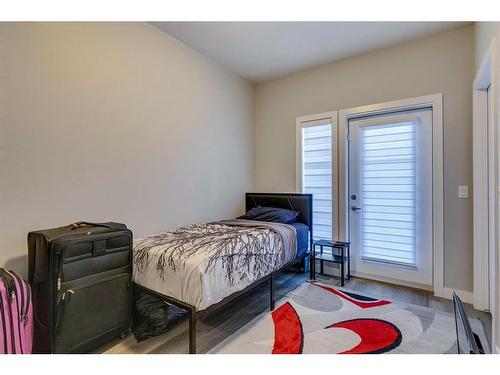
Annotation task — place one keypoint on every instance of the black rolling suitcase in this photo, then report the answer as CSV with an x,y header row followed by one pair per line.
x,y
81,281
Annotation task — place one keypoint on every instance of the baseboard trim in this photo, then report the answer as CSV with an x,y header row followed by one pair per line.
x,y
393,285
465,296
388,280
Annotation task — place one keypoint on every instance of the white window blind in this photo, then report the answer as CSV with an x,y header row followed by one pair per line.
x,y
388,193
317,174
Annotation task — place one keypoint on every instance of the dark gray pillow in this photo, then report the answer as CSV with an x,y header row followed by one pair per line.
x,y
272,214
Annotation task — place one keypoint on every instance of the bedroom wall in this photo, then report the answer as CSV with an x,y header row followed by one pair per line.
x,y
484,33
440,63
116,121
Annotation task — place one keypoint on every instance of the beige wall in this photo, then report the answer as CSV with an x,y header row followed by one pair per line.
x,y
441,63
485,32
116,121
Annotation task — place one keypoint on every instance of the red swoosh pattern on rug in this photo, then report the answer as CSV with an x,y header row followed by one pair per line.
x,y
377,336
288,334
359,300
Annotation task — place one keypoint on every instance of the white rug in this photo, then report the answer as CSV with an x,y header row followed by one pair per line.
x,y
318,318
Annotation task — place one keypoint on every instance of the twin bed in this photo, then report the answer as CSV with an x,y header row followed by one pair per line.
x,y
202,267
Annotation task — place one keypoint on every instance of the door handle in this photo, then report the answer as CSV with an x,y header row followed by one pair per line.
x,y
355,208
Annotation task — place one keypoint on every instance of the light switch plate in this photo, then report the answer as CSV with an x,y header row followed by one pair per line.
x,y
463,191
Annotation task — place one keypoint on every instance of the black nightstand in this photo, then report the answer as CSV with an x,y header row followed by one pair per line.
x,y
339,254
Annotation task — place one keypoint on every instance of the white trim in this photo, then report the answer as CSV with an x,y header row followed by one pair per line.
x,y
436,102
486,246
300,123
480,201
485,187
465,296
391,280
343,187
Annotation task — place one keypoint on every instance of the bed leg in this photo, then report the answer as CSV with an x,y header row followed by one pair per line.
x,y
193,317
303,265
312,267
271,292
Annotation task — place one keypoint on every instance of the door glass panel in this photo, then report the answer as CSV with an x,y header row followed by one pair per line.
x,y
388,187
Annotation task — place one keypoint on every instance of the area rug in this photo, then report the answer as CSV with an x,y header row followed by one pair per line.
x,y
317,318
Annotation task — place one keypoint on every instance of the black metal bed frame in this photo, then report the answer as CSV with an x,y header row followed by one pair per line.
x,y
280,200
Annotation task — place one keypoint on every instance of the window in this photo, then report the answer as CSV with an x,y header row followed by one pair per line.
x,y
316,168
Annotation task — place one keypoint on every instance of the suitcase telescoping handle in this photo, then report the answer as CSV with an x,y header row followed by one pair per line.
x,y
80,224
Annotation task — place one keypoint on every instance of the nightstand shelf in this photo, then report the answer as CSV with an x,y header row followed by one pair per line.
x,y
327,257
338,253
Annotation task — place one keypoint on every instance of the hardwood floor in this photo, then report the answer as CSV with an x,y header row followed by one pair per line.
x,y
215,328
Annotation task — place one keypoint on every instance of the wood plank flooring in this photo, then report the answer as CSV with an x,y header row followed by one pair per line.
x,y
215,328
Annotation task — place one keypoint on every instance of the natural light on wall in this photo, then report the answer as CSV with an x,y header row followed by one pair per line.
x,y
317,174
388,180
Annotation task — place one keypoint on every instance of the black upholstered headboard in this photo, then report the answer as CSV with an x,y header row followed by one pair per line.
x,y
292,201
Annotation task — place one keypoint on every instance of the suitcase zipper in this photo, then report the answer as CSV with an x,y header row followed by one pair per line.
x,y
89,284
9,283
60,309
28,305
4,325
59,276
23,311
20,307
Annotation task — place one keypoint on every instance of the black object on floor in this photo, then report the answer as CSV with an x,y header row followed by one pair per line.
x,y
81,276
152,316
467,341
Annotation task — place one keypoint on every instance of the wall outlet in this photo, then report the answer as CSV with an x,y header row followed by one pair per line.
x,y
463,191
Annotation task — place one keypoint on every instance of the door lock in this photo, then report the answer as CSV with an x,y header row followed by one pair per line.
x,y
355,208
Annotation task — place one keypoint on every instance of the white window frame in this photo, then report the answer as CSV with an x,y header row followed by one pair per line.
x,y
301,123
436,102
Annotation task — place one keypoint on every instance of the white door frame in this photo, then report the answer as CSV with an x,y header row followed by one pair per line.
x,y
435,101
484,156
486,190
301,122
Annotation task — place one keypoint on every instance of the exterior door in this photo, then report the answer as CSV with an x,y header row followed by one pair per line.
x,y
390,197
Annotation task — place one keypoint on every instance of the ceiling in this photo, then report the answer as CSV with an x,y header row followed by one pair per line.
x,y
263,51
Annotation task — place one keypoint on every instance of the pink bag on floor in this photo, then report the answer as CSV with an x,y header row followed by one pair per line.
x,y
16,314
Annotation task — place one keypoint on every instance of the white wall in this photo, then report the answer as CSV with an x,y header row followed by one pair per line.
x,y
485,33
116,121
441,63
